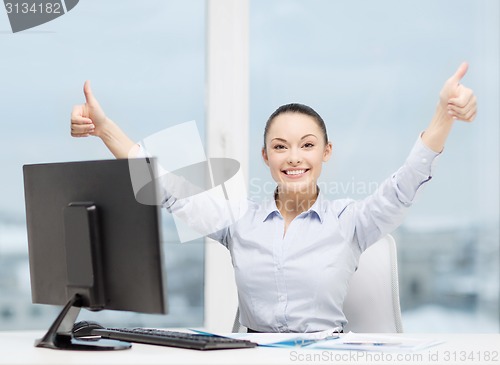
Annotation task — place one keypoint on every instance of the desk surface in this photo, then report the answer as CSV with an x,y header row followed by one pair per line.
x,y
17,348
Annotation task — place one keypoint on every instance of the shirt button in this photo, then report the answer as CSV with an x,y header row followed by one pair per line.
x,y
282,298
424,160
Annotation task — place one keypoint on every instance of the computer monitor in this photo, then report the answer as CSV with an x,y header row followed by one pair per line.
x,y
91,243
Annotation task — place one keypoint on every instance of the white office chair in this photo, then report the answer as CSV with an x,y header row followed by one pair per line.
x,y
372,301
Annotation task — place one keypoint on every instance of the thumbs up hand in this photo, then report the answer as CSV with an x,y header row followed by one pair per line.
x,y
87,119
458,100
455,102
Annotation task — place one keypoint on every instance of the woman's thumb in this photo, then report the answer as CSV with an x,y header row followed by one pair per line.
x,y
89,97
461,71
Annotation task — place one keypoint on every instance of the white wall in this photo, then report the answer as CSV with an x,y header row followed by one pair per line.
x,y
227,136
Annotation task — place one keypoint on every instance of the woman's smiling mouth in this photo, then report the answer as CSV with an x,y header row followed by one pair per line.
x,y
295,173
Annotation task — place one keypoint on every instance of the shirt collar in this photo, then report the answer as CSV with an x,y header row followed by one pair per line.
x,y
318,207
270,209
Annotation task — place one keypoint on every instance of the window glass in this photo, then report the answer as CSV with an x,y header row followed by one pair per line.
x,y
373,70
146,62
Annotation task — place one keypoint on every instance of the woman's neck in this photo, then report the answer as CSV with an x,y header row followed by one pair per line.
x,y
291,204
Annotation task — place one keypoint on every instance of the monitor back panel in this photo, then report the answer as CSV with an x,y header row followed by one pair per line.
x,y
129,233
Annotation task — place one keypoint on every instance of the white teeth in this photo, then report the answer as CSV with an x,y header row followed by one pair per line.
x,y
295,172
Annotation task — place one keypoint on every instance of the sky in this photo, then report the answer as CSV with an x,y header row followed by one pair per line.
x,y
372,69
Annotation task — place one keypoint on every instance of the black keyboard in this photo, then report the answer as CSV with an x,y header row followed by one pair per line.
x,y
173,338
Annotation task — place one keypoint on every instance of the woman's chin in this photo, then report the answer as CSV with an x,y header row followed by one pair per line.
x,y
297,187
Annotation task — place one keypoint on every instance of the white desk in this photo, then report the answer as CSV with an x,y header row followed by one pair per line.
x,y
17,348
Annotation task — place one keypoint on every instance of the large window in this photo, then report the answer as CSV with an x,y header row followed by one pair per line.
x,y
373,70
146,62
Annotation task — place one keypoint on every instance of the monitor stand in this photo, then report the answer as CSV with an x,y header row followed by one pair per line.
x,y
60,334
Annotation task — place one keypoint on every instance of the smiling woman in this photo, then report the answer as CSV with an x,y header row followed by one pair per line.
x,y
295,147
303,241
371,70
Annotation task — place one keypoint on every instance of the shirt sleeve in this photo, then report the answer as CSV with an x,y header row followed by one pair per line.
x,y
370,219
171,186
196,209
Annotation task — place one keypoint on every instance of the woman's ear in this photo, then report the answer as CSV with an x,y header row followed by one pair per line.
x,y
328,151
264,156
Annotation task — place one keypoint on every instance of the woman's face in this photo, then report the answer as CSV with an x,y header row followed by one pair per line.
x,y
295,151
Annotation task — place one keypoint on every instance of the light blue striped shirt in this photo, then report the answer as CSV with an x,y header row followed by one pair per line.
x,y
297,282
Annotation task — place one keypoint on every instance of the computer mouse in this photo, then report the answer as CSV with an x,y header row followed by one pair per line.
x,y
85,328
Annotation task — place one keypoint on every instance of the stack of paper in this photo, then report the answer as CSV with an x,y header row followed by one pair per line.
x,y
332,340
375,342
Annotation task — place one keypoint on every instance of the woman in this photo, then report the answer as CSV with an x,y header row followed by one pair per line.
x,y
294,255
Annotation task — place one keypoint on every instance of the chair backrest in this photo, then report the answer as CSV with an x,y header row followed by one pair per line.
x,y
237,326
372,301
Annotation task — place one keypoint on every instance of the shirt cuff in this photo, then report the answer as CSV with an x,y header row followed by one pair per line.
x,y
422,158
141,153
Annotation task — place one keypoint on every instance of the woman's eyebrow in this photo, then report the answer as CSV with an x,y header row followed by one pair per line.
x,y
279,139
304,137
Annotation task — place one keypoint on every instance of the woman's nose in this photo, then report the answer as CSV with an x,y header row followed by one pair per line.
x,y
294,158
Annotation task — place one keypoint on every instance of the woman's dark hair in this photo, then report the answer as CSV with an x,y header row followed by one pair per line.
x,y
296,108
